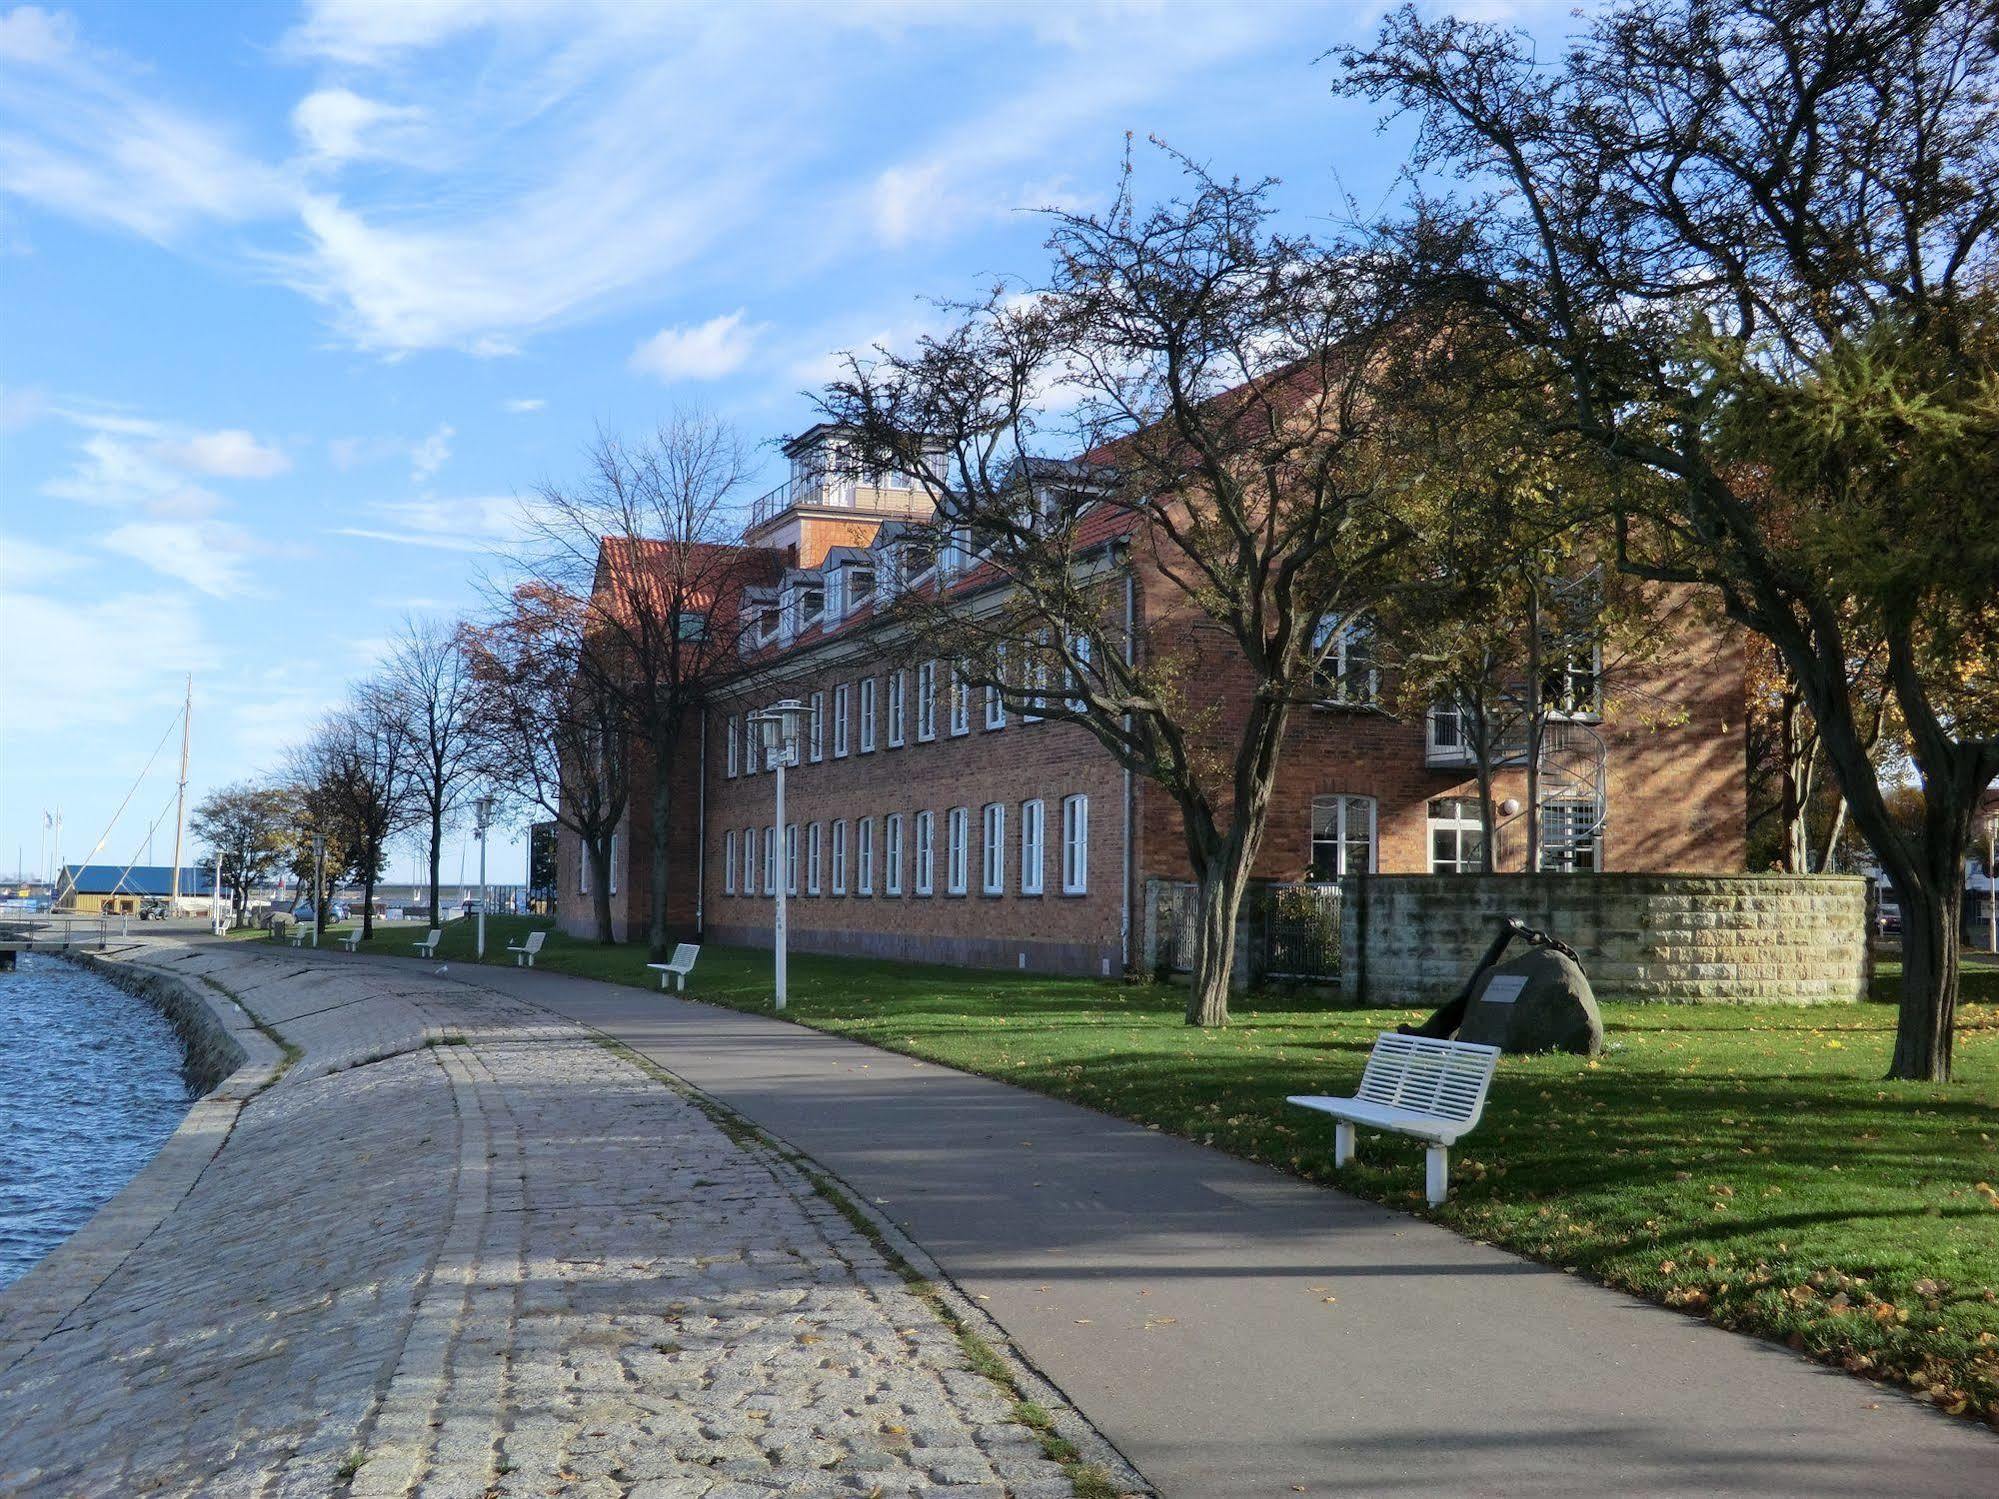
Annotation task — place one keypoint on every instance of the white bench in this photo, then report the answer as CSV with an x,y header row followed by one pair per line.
x,y
428,947
524,954
1414,1085
351,940
296,932
681,965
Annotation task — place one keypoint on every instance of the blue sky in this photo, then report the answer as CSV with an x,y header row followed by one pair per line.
x,y
296,300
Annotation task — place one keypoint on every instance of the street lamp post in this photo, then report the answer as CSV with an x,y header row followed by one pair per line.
x,y
318,886
777,733
482,810
1992,882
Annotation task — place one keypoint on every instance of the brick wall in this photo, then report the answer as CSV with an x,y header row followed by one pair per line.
x,y
1021,761
1414,939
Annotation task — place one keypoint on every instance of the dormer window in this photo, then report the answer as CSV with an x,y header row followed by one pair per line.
x,y
858,584
767,622
919,561
811,601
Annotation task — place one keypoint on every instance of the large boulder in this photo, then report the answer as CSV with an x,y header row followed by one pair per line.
x,y
1539,1001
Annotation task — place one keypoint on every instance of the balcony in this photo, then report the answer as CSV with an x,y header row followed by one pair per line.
x,y
835,493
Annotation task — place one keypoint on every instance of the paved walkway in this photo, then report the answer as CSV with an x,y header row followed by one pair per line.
x,y
460,1248
1237,1332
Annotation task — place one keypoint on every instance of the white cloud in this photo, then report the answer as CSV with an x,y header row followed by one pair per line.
x,y
707,351
26,564
337,125
229,454
523,405
121,659
477,523
430,455
207,555
30,34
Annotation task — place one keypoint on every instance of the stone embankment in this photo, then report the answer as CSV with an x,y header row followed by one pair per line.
x,y
429,1239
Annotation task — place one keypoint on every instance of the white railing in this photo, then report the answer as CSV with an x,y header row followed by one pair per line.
x,y
837,493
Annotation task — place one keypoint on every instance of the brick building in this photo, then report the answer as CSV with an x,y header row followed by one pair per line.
x,y
928,821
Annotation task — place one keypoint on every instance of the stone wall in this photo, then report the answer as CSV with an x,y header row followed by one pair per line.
x,y
1798,939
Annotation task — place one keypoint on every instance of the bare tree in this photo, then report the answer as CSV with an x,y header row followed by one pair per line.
x,y
1223,384
353,781
551,722
646,540
427,680
1755,241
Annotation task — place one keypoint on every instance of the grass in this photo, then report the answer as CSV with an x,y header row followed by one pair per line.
x,y
1746,1164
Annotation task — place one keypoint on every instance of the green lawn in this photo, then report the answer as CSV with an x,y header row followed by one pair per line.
x,y
1742,1163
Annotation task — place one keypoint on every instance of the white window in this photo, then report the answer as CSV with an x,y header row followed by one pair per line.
x,y
995,701
895,705
992,849
926,701
1034,677
1447,736
1031,815
867,715
892,854
812,842
1342,836
791,858
961,703
753,754
1075,845
1079,647
815,730
840,705
1569,834
729,862
770,860
926,850
1457,836
840,856
749,861
958,857
864,856
613,863
735,745
1347,673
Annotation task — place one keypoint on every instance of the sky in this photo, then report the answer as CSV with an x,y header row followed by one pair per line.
x,y
297,302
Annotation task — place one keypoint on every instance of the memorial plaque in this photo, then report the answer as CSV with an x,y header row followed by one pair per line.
x,y
1503,988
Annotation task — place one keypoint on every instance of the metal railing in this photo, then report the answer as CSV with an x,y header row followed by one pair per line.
x,y
838,493
53,930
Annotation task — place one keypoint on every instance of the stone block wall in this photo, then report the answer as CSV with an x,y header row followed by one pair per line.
x,y
1715,939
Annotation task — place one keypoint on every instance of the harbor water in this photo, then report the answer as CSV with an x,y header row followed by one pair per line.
x,y
91,1085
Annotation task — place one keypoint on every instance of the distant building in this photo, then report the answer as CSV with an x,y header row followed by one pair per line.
x,y
115,890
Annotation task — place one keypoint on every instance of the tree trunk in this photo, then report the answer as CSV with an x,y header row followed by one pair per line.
x,y
599,854
662,834
436,859
1790,808
1929,985
368,903
1217,907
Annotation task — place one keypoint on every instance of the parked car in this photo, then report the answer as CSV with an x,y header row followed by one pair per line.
x,y
1888,918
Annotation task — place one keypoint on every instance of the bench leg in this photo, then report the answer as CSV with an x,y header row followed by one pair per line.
x,y
1342,1143
1436,1174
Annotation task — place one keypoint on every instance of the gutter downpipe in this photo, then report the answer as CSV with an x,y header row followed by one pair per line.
x,y
701,832
1124,920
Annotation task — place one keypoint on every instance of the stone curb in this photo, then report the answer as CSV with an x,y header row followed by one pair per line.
x,y
225,1049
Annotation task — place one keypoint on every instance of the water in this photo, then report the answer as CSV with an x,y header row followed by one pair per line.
x,y
90,1087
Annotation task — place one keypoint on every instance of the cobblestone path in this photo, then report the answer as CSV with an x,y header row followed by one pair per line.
x,y
460,1249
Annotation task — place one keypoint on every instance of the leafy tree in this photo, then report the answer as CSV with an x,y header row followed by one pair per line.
x,y
551,723
1754,240
1225,385
244,824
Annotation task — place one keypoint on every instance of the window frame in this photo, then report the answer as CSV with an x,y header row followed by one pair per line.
x,y
611,866
842,703
1334,673
770,859
732,756
957,850
1343,802
892,854
867,713
728,861
815,726
749,879
924,853
1034,836
926,702
960,692
864,856
815,841
992,848
896,707
1076,844
1460,824
791,858
837,856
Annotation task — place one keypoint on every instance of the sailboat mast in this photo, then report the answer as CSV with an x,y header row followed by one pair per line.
x,y
180,797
